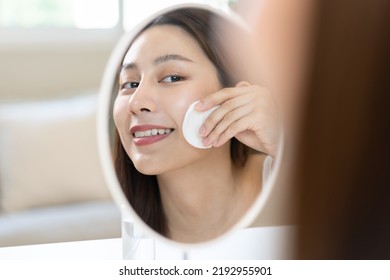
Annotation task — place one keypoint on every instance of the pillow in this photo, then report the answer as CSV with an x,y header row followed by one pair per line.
x,y
48,153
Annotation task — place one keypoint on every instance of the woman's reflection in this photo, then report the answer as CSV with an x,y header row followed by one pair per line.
x,y
182,192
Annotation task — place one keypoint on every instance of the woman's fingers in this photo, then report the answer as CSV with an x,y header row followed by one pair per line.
x,y
232,130
219,97
246,112
228,120
224,111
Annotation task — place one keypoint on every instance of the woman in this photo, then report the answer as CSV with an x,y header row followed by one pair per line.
x,y
185,193
345,153
336,100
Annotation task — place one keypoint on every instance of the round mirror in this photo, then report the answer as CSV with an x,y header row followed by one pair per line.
x,y
187,140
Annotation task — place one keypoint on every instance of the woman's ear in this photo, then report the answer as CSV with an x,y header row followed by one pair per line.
x,y
243,84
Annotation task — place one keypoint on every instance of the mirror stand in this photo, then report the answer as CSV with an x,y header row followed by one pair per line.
x,y
135,244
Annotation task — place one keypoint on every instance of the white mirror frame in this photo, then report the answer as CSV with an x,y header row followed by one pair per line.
x,y
103,120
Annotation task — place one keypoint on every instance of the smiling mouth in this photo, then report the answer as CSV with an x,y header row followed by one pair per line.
x,y
152,132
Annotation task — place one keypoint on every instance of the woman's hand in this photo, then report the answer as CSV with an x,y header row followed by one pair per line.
x,y
247,112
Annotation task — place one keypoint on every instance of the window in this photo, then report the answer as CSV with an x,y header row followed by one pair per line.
x,y
83,21
83,14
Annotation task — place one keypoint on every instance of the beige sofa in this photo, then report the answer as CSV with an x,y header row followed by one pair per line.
x,y
51,183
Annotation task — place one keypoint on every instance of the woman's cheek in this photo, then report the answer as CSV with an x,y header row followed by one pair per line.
x,y
181,105
178,103
116,112
120,114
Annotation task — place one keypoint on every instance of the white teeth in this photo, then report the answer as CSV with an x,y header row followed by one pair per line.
x,y
139,134
152,132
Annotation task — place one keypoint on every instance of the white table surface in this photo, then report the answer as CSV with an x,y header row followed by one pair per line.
x,y
104,249
252,243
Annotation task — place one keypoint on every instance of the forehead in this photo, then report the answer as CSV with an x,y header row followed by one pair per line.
x,y
161,40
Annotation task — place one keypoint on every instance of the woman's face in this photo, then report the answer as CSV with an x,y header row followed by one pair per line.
x,y
164,72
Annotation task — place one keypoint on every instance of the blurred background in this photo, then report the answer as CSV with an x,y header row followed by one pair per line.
x,y
52,58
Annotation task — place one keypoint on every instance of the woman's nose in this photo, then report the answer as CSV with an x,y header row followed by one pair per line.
x,y
142,100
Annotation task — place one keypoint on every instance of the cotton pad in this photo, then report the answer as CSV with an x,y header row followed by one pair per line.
x,y
193,120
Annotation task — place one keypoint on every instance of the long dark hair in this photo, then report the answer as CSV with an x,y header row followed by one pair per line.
x,y
142,191
342,167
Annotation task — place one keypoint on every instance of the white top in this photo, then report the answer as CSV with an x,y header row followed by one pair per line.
x,y
267,169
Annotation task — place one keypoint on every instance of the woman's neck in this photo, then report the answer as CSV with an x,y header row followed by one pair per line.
x,y
203,200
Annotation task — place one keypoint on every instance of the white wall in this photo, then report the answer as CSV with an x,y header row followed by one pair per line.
x,y
33,69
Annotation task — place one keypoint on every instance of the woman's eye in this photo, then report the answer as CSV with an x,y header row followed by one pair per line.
x,y
172,79
129,85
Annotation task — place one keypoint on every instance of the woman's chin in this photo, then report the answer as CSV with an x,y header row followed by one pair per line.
x,y
147,169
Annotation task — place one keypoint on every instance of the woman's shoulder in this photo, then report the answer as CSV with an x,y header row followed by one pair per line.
x,y
259,167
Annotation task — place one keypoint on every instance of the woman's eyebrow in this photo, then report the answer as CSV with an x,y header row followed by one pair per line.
x,y
129,66
167,57
158,60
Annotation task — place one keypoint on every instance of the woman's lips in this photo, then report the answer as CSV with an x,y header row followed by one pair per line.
x,y
149,134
